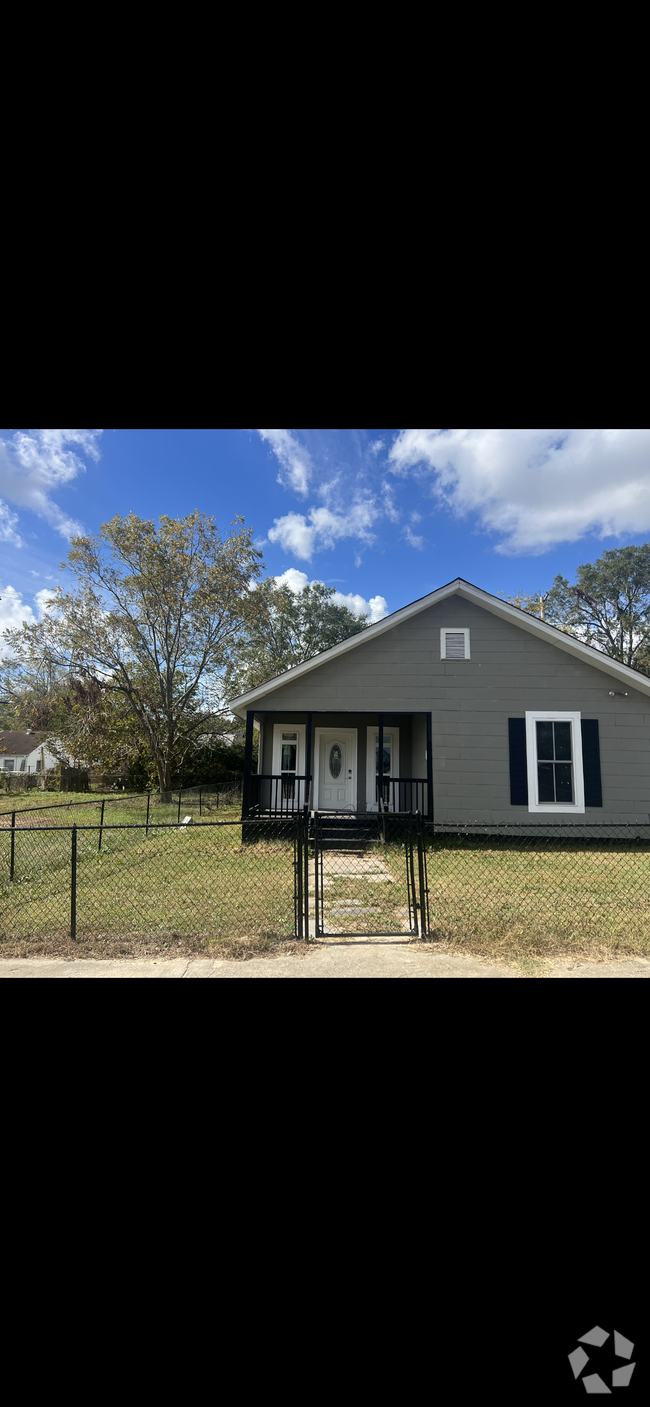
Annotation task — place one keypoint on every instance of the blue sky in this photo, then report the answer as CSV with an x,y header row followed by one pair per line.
x,y
382,515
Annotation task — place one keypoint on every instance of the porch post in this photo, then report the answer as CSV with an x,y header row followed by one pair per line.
x,y
380,768
308,753
248,765
430,763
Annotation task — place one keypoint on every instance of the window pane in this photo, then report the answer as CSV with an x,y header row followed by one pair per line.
x,y
545,741
388,748
564,782
289,755
336,762
546,782
563,742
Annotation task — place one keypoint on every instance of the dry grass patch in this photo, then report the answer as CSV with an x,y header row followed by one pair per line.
x,y
531,906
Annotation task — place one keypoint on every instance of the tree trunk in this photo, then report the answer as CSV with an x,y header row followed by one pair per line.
x,y
165,780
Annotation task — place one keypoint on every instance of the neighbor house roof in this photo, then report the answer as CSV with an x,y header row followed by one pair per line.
x,y
17,744
550,633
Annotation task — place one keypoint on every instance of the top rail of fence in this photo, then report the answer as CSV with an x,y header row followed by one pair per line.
x,y
261,827
119,798
68,805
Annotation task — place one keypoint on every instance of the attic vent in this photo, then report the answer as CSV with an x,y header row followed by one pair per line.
x,y
454,645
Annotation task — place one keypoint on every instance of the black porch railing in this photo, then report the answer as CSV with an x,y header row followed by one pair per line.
x,y
278,796
404,795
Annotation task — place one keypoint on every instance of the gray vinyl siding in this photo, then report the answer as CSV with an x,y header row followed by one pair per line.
x,y
510,673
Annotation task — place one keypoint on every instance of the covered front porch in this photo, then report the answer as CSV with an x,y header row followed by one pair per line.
x,y
356,763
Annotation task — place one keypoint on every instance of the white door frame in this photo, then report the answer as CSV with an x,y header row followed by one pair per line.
x,y
371,775
353,735
278,730
301,789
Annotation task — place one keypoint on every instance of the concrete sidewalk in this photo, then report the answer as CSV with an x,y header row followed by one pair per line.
x,y
338,961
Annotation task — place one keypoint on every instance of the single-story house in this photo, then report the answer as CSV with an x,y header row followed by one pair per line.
x,y
478,711
24,752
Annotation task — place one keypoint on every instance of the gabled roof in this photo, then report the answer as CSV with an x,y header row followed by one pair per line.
x,y
19,744
550,633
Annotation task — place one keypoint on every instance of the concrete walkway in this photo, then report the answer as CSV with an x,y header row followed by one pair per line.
x,y
357,960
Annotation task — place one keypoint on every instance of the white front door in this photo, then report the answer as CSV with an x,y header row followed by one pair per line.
x,y
337,769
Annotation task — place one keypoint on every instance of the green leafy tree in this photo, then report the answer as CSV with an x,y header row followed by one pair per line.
x,y
288,628
608,606
138,648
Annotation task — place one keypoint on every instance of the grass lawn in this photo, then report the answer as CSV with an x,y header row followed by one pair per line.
x,y
194,891
563,898
200,890
54,809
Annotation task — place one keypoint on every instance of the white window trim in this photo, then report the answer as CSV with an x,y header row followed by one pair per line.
x,y
371,775
455,630
534,806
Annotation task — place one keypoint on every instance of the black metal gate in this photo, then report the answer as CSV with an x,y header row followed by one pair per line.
x,y
360,877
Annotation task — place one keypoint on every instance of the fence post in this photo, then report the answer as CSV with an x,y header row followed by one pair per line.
x,y
148,806
200,801
101,826
416,929
13,845
424,899
300,914
73,887
180,802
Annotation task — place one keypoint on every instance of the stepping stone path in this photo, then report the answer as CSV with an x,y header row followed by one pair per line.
x,y
354,869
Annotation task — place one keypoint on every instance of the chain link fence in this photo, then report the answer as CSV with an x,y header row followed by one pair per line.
x,y
224,880
559,884
197,802
485,888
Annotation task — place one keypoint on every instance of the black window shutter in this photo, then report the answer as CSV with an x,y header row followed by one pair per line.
x,y
518,762
591,762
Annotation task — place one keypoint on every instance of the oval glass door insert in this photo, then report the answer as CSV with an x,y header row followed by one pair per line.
x,y
336,762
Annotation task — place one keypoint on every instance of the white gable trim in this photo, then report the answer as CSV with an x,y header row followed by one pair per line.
x,y
550,633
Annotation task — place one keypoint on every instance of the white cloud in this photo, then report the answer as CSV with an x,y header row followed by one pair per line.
x,y
296,465
295,580
413,539
33,465
536,488
8,525
377,446
13,611
294,534
323,529
42,598
390,508
376,608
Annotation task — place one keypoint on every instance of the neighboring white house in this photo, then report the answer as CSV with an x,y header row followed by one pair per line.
x,y
25,752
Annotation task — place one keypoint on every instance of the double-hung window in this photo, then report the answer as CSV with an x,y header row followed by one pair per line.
x,y
555,768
